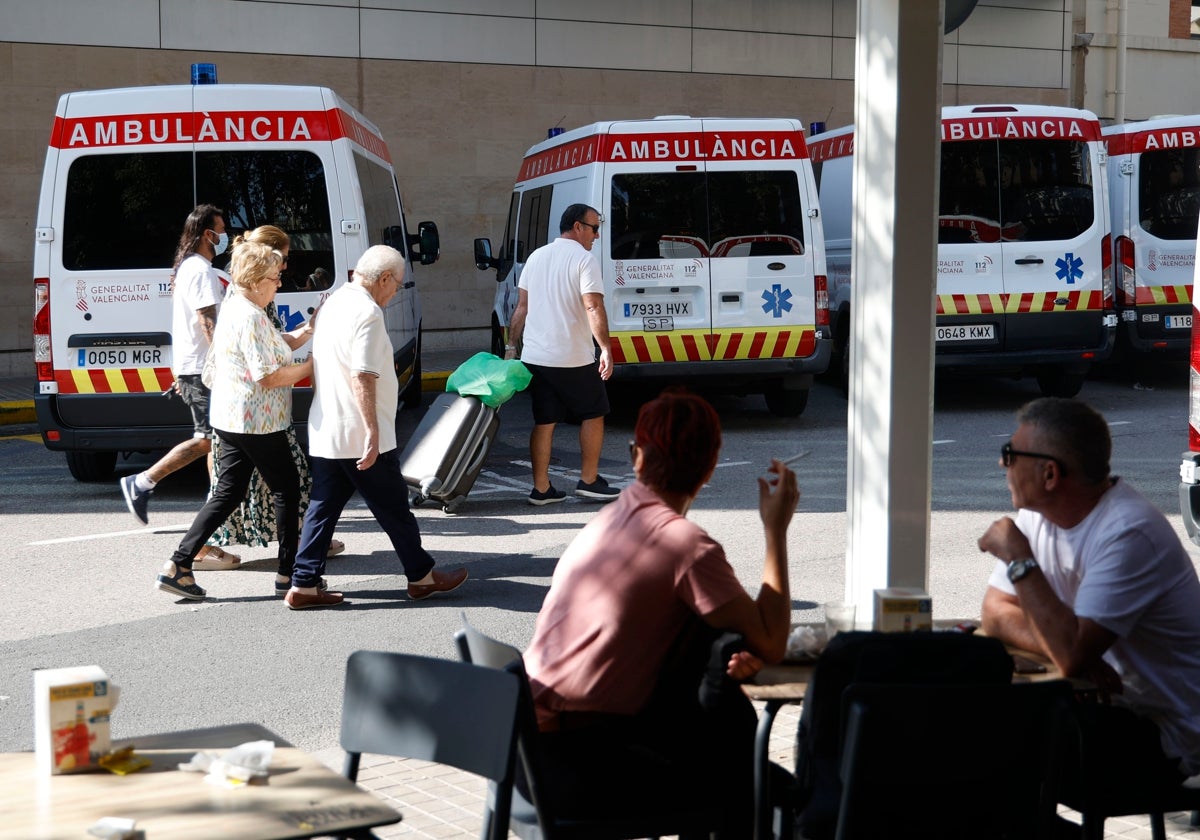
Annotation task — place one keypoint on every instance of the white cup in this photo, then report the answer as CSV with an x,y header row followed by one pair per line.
x,y
839,616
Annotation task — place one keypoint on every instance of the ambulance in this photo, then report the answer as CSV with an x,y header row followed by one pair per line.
x,y
1024,284
1154,188
123,171
711,249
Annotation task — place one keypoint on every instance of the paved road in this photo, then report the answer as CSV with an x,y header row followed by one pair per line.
x,y
76,576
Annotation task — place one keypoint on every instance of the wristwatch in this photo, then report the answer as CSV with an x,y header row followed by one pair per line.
x,y
510,347
1018,569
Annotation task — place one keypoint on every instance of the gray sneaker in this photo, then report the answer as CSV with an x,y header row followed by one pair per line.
x,y
137,501
598,490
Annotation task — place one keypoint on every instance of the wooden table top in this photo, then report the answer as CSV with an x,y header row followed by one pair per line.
x,y
301,796
788,682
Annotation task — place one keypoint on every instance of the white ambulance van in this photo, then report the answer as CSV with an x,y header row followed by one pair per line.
x,y
1154,189
1024,281
123,170
711,248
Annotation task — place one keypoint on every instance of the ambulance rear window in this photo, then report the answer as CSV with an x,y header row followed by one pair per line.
x,y
677,215
1169,193
126,211
1015,191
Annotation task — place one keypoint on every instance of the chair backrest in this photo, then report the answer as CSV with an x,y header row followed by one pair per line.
x,y
432,709
927,658
479,649
945,761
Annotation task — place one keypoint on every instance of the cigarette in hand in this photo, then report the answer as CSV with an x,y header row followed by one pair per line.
x,y
789,461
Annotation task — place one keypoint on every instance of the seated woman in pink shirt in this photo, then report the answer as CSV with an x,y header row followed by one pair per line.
x,y
621,727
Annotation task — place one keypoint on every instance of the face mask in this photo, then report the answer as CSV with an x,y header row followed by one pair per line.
x,y
222,244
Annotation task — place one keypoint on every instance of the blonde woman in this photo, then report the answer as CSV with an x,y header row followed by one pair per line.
x,y
252,523
250,411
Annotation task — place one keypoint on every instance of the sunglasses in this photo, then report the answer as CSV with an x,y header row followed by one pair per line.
x,y
1008,455
595,228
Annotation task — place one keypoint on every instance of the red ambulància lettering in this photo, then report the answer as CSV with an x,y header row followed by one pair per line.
x,y
140,129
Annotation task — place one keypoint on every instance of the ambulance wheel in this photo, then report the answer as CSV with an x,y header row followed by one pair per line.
x,y
783,402
91,466
416,500
1056,382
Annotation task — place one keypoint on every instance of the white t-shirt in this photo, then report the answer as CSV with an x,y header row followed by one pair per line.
x,y
556,277
350,338
1124,568
196,286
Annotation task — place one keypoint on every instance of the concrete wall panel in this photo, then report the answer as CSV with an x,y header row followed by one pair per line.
x,y
419,36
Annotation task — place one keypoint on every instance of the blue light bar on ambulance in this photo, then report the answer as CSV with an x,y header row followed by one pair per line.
x,y
551,133
204,74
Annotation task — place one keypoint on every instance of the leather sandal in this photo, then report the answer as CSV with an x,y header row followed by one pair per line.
x,y
336,547
178,581
213,559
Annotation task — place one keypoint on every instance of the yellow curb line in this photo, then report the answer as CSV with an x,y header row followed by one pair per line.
x,y
435,380
14,413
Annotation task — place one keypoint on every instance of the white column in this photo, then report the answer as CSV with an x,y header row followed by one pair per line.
x,y
898,83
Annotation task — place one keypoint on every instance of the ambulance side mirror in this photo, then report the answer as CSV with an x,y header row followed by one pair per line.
x,y
483,255
427,242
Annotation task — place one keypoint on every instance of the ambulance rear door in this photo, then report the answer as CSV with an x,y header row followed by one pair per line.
x,y
657,255
970,275
761,256
1054,223
122,190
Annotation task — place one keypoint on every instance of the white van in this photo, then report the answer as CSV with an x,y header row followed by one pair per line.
x,y
1154,188
1024,280
123,170
711,248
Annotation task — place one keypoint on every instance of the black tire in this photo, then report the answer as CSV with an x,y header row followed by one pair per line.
x,y
91,466
783,402
1056,382
412,394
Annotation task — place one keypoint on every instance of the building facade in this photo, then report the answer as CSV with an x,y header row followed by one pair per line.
x,y
461,88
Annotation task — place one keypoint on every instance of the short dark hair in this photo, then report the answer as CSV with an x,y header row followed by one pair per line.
x,y
574,213
679,434
1072,431
199,220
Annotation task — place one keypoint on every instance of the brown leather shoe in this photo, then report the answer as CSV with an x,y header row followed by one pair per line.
x,y
442,582
303,601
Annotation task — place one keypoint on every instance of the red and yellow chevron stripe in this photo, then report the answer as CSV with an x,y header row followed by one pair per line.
x,y
722,344
114,380
1151,295
1014,304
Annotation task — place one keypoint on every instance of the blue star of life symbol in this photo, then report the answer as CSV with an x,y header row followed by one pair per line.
x,y
778,300
1069,269
291,320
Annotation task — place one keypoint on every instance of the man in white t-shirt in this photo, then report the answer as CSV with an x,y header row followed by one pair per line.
x,y
352,434
1093,576
560,312
196,293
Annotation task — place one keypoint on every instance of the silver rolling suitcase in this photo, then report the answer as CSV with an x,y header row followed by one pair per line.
x,y
446,452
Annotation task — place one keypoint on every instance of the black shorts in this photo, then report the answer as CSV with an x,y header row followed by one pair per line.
x,y
196,396
567,395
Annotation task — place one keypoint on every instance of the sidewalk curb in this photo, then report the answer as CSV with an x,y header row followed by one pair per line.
x,y
18,412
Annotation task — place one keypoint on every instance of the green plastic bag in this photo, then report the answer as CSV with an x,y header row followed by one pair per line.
x,y
492,379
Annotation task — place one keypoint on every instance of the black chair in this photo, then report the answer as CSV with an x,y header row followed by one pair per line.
x,y
1098,796
864,656
436,710
534,818
950,761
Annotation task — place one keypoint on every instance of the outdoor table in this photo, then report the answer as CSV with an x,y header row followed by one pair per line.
x,y
300,798
778,685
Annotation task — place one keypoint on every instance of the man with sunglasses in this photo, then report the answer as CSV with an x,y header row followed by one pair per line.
x,y
560,312
1093,575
